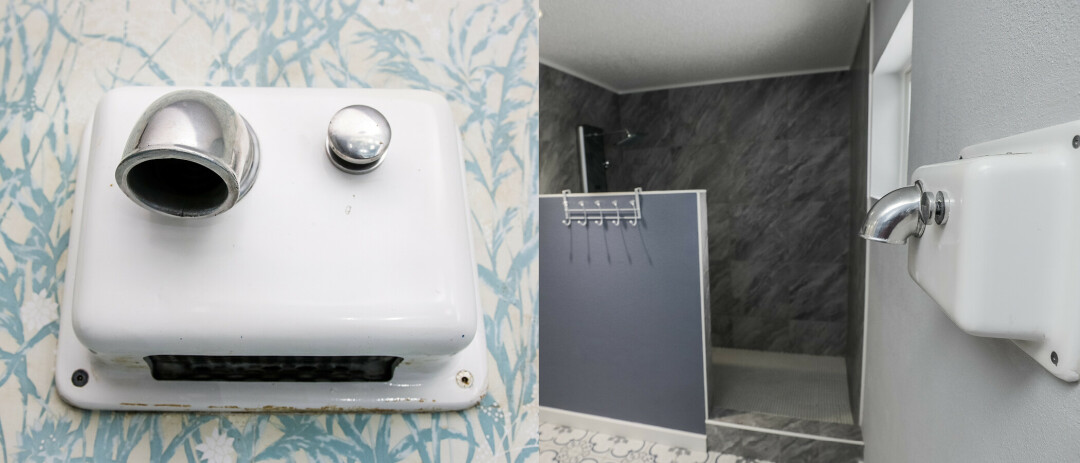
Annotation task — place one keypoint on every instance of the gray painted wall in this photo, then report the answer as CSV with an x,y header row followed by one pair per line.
x,y
981,71
621,314
565,103
774,156
860,123
886,15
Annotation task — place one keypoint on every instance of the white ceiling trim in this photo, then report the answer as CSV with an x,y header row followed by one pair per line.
x,y
598,83
736,79
579,75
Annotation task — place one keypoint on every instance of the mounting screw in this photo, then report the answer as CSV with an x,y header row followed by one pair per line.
x,y
1053,358
79,378
941,214
1076,141
464,379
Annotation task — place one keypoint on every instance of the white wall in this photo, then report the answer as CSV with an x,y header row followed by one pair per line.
x,y
981,70
889,109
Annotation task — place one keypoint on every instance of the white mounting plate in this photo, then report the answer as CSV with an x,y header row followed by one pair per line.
x,y
427,379
1004,265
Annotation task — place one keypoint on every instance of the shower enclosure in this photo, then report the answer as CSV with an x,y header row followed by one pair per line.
x,y
773,156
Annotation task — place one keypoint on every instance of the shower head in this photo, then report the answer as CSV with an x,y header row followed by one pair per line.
x,y
624,136
628,137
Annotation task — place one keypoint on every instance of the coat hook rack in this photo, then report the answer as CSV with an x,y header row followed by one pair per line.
x,y
615,214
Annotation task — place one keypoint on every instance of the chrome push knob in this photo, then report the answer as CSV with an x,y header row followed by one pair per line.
x,y
357,139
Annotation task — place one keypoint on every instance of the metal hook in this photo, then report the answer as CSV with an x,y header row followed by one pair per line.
x,y
584,214
633,221
600,220
566,208
618,213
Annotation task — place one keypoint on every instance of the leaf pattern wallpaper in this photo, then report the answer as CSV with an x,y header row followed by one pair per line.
x,y
57,57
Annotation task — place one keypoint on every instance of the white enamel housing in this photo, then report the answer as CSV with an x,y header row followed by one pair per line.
x,y
312,262
1006,262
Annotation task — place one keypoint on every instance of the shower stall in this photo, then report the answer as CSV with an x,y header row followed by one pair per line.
x,y
773,157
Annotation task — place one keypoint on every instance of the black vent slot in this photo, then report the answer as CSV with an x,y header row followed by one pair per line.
x,y
272,368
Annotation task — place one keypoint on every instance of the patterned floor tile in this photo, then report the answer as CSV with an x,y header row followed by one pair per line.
x,y
564,444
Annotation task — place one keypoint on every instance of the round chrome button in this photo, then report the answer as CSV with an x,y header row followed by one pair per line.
x,y
357,139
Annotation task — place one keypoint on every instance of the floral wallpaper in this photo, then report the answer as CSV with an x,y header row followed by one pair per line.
x,y
57,57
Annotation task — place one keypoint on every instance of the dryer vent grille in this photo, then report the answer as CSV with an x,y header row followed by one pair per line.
x,y
363,368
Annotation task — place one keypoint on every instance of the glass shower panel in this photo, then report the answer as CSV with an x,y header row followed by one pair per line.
x,y
593,161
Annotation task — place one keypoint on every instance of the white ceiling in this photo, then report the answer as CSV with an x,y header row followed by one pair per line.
x,y
636,45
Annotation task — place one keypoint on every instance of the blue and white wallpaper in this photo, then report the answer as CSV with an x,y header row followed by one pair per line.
x,y
57,57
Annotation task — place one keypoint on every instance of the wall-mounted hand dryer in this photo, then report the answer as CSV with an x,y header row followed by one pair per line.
x,y
994,239
267,249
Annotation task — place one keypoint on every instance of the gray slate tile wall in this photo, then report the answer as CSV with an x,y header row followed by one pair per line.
x,y
565,103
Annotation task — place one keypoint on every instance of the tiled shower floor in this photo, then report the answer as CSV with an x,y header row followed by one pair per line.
x,y
564,444
807,387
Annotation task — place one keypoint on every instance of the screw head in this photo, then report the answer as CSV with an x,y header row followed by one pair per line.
x,y
464,379
79,378
1053,358
1076,141
941,214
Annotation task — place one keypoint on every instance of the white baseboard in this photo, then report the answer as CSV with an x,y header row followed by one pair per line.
x,y
628,429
